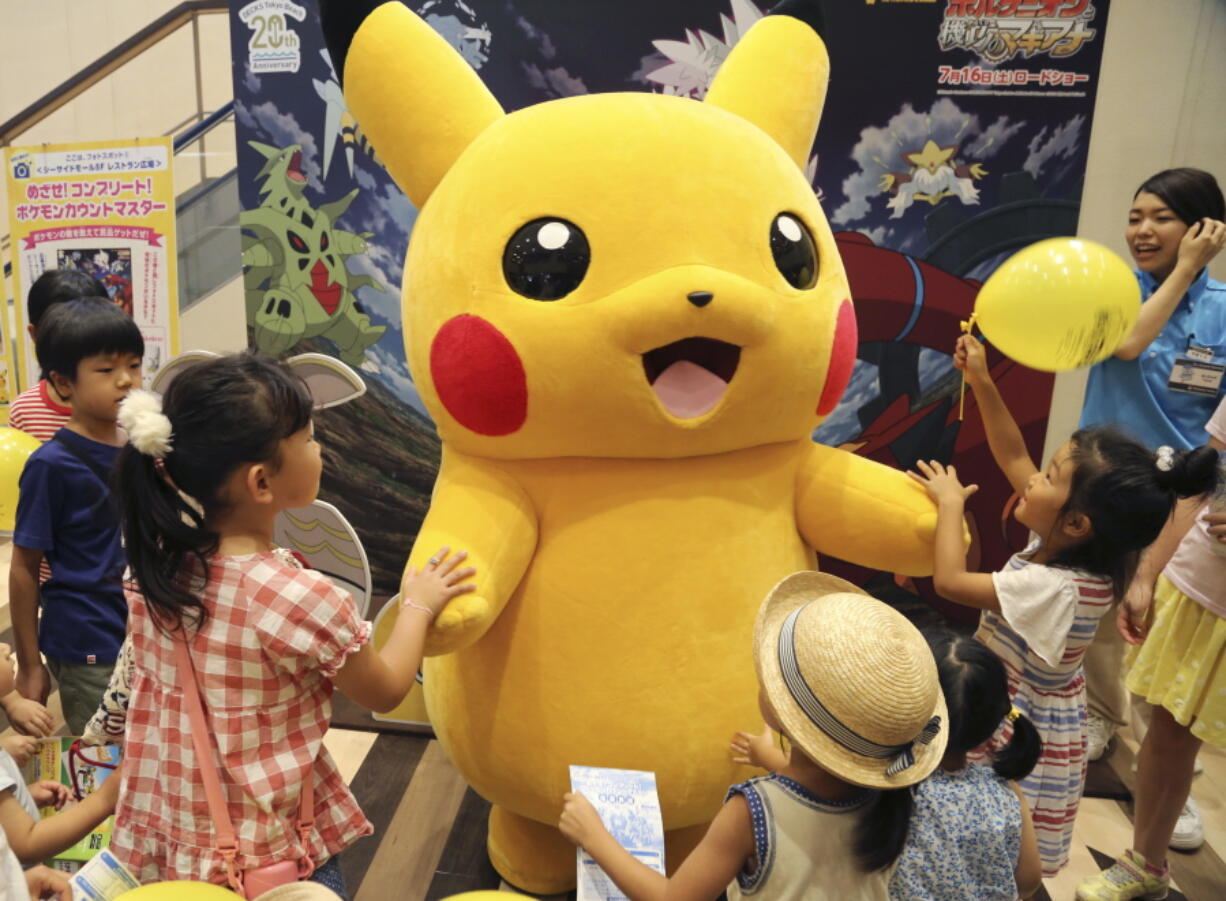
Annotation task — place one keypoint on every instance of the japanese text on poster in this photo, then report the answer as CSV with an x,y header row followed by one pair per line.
x,y
105,209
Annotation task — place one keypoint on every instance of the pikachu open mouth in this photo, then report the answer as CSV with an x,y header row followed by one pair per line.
x,y
691,375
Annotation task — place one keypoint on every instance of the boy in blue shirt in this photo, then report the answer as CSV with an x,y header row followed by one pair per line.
x,y
91,352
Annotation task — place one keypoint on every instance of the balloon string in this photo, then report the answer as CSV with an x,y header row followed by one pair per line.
x,y
968,326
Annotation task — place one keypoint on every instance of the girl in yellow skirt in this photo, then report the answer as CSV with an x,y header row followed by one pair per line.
x,y
1180,668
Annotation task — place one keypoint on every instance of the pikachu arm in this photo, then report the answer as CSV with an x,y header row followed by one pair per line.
x,y
865,512
481,509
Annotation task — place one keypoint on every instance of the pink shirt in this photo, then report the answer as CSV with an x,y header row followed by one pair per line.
x,y
1198,569
36,413
275,637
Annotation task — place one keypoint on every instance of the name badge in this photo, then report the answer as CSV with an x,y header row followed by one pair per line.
x,y
1196,376
1196,352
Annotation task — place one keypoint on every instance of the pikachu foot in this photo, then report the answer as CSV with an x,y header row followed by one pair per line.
x,y
529,855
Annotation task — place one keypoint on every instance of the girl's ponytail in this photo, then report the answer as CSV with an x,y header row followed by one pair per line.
x,y
1017,759
163,536
882,830
1187,473
976,690
1127,492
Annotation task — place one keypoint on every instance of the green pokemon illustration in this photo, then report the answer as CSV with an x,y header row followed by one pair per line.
x,y
297,284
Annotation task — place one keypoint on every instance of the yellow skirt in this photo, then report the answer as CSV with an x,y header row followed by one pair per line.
x,y
1182,665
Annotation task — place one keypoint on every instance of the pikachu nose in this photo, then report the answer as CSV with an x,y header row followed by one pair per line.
x,y
700,298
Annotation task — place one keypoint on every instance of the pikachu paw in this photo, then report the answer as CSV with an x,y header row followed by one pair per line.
x,y
460,623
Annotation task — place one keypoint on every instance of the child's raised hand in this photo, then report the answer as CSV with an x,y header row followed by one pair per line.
x,y
941,482
758,750
48,793
579,822
970,358
29,717
437,582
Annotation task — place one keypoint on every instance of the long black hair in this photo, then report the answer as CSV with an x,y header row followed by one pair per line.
x,y
223,413
976,693
1191,194
1120,486
882,829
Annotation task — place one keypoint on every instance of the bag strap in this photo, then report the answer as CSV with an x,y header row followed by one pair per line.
x,y
227,842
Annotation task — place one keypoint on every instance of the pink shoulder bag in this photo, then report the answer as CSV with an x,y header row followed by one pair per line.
x,y
254,882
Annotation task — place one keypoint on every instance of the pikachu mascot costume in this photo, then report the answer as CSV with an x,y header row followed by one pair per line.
x,y
626,314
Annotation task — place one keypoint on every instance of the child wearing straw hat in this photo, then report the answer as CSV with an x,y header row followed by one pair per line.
x,y
854,688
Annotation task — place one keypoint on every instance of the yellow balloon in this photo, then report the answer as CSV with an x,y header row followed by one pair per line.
x,y
179,891
1059,304
486,895
15,448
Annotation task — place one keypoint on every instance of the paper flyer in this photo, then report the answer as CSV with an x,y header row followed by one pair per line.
x,y
630,809
102,879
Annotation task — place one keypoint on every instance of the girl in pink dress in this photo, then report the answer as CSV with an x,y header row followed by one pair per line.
x,y
201,483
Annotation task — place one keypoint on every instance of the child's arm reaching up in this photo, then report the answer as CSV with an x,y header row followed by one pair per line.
x,y
759,750
949,576
35,840
379,680
1004,437
711,866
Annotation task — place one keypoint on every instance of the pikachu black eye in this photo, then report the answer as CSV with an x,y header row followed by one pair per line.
x,y
794,251
546,259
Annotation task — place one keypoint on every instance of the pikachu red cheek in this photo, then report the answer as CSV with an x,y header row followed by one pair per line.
x,y
479,377
842,359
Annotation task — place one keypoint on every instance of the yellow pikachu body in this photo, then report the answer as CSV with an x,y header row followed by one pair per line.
x,y
622,548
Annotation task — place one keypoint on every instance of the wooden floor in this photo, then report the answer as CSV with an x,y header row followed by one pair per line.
x,y
429,840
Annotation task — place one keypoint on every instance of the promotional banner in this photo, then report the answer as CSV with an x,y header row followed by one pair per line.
x,y
954,134
107,209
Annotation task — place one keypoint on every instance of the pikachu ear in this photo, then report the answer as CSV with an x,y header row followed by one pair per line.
x,y
413,95
776,77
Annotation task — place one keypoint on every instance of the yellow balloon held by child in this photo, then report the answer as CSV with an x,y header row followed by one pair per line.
x,y
1059,304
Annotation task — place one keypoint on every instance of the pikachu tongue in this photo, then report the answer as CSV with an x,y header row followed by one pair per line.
x,y
688,390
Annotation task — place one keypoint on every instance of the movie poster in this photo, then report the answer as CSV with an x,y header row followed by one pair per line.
x,y
955,133
105,208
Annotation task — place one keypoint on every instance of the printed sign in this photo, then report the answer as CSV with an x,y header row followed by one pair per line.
x,y
106,209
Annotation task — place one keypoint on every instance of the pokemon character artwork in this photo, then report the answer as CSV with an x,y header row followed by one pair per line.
x,y
626,314
297,284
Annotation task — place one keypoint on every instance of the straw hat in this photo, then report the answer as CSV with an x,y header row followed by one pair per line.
x,y
851,681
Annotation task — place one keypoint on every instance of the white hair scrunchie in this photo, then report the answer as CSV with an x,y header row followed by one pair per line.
x,y
1165,458
148,428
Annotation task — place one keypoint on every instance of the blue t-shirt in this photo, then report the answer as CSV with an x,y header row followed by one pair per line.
x,y
64,510
1133,394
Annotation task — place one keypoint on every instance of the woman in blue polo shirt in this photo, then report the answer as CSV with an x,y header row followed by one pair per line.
x,y
1165,380
1163,384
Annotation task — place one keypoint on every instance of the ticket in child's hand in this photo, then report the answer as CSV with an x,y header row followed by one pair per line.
x,y
630,809
102,879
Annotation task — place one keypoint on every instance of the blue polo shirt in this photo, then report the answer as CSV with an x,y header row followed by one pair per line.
x,y
63,510
1133,394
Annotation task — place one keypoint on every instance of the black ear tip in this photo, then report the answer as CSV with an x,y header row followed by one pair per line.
x,y
808,11
339,22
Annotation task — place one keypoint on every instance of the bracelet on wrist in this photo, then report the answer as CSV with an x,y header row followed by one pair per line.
x,y
408,602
